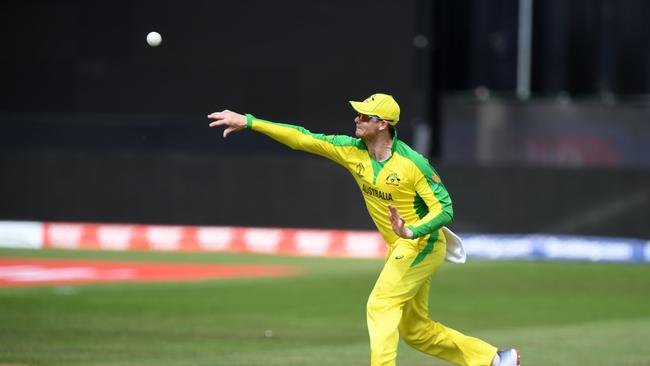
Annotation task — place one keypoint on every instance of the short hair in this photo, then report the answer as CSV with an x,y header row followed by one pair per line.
x,y
391,130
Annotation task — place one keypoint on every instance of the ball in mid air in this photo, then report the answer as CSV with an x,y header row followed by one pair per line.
x,y
154,39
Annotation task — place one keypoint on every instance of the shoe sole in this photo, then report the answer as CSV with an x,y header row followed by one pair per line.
x,y
518,356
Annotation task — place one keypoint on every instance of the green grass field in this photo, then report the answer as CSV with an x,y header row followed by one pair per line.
x,y
556,313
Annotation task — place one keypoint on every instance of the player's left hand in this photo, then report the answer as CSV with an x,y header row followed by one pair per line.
x,y
397,222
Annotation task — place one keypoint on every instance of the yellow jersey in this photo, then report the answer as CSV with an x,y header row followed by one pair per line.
x,y
406,179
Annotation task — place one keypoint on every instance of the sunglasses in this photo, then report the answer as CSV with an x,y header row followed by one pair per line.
x,y
368,117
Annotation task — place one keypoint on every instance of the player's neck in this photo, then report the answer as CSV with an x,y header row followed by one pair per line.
x,y
379,146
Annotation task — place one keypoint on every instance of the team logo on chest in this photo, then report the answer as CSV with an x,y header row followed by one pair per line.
x,y
393,180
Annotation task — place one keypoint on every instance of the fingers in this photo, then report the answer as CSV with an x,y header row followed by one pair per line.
x,y
219,115
393,213
396,221
232,121
219,118
395,218
215,115
227,131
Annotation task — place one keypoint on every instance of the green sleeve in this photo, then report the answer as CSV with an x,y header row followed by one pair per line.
x,y
436,208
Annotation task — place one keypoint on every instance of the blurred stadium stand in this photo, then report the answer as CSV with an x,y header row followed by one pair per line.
x,y
97,126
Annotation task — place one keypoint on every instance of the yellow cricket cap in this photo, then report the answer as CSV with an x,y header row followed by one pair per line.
x,y
383,106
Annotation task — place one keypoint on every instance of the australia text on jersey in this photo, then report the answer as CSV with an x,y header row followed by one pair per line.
x,y
371,191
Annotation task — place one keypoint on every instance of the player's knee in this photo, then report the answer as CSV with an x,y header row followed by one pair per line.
x,y
371,305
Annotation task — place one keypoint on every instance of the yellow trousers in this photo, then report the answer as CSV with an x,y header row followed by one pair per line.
x,y
399,306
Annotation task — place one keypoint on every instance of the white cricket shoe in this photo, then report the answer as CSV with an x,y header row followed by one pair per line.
x,y
509,357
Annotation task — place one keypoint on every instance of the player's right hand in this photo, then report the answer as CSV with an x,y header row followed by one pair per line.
x,y
233,121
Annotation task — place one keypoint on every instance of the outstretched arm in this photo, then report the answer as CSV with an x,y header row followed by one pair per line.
x,y
233,121
333,147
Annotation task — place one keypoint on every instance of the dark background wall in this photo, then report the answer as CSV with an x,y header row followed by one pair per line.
x,y
306,191
289,60
97,126
298,60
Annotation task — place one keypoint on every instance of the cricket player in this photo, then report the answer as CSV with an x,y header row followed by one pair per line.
x,y
410,206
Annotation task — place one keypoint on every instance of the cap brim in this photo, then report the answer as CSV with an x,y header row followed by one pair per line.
x,y
360,107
